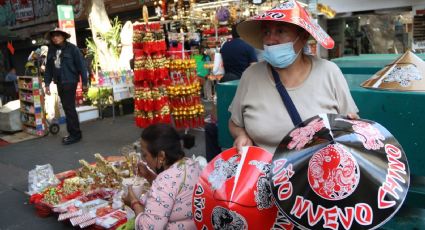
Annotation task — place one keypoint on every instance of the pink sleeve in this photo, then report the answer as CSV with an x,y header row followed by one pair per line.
x,y
159,203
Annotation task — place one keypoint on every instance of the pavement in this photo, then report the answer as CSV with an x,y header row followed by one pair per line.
x,y
107,136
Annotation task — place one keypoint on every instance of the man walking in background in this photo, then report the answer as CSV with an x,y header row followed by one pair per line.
x,y
64,66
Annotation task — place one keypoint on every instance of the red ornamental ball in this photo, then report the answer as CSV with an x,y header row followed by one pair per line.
x,y
233,192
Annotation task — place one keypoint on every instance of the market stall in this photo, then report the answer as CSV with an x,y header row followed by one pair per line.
x,y
90,196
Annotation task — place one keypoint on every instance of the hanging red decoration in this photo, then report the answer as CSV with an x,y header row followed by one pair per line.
x,y
150,75
11,48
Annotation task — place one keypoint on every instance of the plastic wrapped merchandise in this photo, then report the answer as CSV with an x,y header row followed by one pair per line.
x,y
113,219
117,201
139,184
40,178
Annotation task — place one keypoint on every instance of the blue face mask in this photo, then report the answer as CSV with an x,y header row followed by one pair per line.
x,y
281,55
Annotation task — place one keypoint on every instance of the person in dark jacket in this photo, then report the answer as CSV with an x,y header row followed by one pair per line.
x,y
237,56
64,66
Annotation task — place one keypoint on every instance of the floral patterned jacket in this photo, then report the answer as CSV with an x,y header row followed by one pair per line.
x,y
168,204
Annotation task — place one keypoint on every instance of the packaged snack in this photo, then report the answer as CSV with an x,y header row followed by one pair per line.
x,y
67,206
67,215
83,209
88,223
112,219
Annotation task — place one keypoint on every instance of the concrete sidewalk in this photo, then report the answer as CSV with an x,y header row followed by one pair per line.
x,y
106,136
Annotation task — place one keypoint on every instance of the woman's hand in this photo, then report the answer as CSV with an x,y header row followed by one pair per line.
x,y
241,141
132,201
241,137
353,116
145,172
130,196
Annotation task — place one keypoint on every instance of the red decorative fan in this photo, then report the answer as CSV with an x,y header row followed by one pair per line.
x,y
337,173
233,192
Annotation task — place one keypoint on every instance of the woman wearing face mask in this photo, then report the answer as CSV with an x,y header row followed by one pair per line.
x,y
288,86
168,203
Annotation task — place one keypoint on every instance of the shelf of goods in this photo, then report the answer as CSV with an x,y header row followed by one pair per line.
x,y
32,105
166,86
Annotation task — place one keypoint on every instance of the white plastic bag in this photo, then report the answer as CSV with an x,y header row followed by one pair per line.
x,y
218,68
40,178
200,160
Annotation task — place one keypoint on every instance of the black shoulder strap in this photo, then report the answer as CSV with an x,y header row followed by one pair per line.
x,y
287,101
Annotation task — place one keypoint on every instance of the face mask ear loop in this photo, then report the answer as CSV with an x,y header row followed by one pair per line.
x,y
296,39
294,42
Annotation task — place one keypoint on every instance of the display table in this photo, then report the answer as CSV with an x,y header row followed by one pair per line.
x,y
366,63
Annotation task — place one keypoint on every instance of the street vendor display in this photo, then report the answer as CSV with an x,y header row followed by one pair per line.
x,y
91,195
407,73
233,193
338,173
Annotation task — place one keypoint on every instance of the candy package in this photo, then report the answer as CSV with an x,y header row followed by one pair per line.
x,y
112,219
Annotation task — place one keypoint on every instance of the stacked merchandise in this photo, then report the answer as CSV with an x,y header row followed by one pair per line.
x,y
151,76
184,93
164,86
32,105
121,83
89,196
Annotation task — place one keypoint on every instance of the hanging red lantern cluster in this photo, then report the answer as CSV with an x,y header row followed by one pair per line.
x,y
184,93
151,76
149,38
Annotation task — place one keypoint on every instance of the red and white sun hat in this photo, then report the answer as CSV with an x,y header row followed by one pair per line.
x,y
290,12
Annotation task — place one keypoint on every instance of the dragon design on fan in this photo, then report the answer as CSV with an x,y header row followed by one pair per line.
x,y
263,194
223,170
301,136
333,172
370,136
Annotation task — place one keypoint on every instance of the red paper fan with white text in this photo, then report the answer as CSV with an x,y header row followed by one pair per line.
x,y
234,192
338,173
